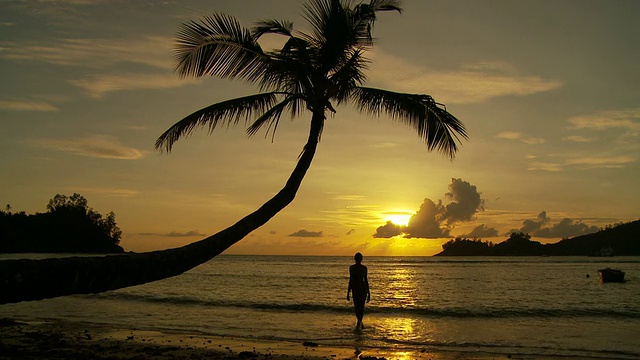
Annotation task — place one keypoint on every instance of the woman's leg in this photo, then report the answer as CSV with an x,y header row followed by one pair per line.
x,y
358,304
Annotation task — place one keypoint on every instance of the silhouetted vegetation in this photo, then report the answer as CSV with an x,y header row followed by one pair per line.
x,y
311,74
621,239
68,226
466,247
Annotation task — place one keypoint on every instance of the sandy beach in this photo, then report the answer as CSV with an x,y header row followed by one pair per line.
x,y
33,339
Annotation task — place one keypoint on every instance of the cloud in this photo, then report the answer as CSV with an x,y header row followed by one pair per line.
x,y
465,203
185,234
26,105
348,197
530,226
75,2
425,223
55,3
579,139
105,56
436,220
545,166
389,230
175,234
602,162
97,146
615,132
305,233
565,228
117,192
99,85
517,136
472,83
481,231
587,162
152,51
626,119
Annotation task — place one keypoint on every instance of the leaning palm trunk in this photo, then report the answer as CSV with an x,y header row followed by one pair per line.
x,y
25,280
311,72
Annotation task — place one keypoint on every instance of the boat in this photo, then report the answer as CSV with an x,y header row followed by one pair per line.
x,y
611,275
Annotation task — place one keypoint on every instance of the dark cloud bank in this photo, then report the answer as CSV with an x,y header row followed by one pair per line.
x,y
305,233
565,228
176,234
436,220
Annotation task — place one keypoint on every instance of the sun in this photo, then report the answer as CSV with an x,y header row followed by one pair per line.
x,y
398,217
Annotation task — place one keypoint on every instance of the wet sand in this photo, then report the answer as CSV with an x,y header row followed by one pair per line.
x,y
32,339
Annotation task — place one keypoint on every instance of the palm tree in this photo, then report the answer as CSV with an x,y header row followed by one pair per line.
x,y
313,72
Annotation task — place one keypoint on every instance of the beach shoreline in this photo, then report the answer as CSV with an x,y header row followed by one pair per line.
x,y
55,339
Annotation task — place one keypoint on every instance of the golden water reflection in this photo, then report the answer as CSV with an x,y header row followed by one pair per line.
x,y
401,287
403,355
400,328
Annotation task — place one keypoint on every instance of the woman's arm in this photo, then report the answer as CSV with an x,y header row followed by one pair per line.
x,y
349,286
366,283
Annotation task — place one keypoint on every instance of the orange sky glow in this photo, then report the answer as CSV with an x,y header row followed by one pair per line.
x,y
548,91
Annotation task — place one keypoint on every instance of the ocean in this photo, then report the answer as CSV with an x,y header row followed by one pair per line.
x,y
504,305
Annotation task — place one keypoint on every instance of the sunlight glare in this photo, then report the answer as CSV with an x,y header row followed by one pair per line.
x,y
399,218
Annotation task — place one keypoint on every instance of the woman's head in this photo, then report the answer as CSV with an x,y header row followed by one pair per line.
x,y
358,257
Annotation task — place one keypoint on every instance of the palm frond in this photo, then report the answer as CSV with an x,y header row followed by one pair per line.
x,y
297,106
288,73
364,17
332,32
440,130
384,5
228,112
337,28
349,75
318,14
272,27
298,48
270,117
218,45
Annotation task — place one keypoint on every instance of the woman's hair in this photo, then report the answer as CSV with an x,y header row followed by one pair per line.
x,y
358,257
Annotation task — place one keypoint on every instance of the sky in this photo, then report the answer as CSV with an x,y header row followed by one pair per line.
x,y
549,92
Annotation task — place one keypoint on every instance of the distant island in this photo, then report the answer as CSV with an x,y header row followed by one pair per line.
x,y
619,239
69,226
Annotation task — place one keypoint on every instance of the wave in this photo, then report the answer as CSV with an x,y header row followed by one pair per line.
x,y
510,350
451,312
415,261
513,350
257,277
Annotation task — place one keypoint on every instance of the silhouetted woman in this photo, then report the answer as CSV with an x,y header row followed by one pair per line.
x,y
359,287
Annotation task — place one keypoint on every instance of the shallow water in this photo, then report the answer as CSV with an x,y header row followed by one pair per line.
x,y
524,305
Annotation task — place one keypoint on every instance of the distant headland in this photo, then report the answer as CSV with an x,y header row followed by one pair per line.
x,y
619,239
68,226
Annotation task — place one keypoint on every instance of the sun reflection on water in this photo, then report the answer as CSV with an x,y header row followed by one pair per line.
x,y
403,355
401,287
400,328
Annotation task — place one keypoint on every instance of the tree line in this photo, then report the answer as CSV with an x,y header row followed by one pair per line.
x,y
620,238
68,226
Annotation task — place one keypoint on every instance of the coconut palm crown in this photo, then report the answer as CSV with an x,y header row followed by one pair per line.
x,y
313,72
